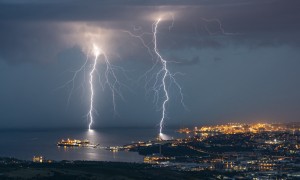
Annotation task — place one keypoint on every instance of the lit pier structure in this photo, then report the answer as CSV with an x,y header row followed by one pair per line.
x,y
75,143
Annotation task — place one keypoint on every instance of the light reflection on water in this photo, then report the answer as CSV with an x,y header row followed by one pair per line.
x,y
24,144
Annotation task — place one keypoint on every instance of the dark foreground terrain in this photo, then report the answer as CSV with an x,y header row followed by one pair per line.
x,y
15,169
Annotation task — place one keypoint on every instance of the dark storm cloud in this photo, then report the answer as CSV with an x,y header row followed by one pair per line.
x,y
28,30
29,42
237,15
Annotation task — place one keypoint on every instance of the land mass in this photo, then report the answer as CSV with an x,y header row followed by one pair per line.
x,y
11,168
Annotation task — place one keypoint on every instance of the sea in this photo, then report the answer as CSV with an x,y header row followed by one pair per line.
x,y
25,143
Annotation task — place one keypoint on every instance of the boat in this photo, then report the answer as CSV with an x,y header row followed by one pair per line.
x,y
73,143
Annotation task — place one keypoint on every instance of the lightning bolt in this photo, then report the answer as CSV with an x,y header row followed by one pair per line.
x,y
110,80
162,78
96,53
166,73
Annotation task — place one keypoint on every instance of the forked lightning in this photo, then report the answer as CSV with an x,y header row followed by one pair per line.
x,y
107,79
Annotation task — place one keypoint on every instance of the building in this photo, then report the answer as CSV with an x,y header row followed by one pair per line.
x,y
37,159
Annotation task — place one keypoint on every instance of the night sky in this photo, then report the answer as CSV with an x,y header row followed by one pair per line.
x,y
245,69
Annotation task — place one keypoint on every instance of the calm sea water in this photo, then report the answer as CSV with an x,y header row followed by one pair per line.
x,y
24,144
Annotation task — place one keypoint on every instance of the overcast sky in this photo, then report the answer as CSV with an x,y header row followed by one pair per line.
x,y
238,61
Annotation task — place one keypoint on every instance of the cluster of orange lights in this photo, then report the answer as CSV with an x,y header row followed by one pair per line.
x,y
236,128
